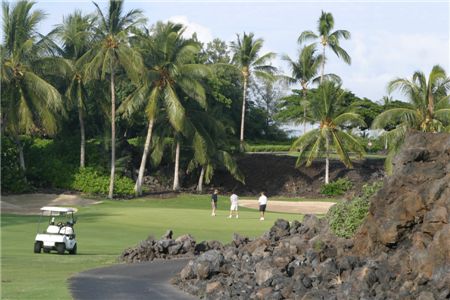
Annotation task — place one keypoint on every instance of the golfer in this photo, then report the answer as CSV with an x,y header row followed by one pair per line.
x,y
234,199
214,202
262,205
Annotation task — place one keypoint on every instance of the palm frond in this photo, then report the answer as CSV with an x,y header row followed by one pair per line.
x,y
175,109
307,36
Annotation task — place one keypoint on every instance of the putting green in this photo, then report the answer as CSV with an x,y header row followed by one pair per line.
x,y
104,230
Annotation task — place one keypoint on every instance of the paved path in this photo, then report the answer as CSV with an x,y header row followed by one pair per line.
x,y
148,280
303,207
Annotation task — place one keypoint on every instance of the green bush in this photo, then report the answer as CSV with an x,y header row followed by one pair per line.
x,y
12,178
91,181
346,217
47,167
337,187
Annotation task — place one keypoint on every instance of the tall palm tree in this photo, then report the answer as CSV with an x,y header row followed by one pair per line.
x,y
76,36
170,74
304,72
428,109
327,111
111,53
327,39
31,103
246,56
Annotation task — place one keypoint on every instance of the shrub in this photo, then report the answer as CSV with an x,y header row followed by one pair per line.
x,y
12,178
91,181
346,217
337,187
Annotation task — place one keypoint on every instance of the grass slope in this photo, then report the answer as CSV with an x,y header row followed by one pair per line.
x,y
104,230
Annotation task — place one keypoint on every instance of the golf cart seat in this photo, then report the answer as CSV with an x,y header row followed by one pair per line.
x,y
53,229
66,230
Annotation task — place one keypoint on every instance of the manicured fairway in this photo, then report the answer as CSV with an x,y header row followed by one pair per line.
x,y
104,230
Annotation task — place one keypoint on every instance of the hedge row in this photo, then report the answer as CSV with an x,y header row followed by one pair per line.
x,y
268,148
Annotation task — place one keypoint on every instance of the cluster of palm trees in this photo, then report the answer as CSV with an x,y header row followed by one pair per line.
x,y
114,46
44,76
428,109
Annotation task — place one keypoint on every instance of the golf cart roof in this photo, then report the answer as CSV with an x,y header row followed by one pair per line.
x,y
58,209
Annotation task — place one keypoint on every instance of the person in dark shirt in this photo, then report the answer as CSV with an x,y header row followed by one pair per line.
x,y
214,198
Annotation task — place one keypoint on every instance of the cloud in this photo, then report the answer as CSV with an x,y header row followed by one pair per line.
x,y
203,33
379,57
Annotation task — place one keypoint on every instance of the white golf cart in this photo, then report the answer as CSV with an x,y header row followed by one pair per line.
x,y
59,234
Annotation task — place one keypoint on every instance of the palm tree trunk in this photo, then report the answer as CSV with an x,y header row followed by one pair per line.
x,y
322,73
327,160
244,94
138,186
113,137
83,137
200,180
304,110
21,157
176,183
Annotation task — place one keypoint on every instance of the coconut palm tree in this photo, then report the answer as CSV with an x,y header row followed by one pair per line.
x,y
170,75
304,72
246,56
31,104
328,113
76,36
209,146
327,39
428,109
111,53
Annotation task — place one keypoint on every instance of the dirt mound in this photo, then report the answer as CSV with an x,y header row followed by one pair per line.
x,y
29,204
304,207
402,251
277,175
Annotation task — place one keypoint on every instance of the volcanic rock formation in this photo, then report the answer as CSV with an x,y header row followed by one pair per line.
x,y
402,250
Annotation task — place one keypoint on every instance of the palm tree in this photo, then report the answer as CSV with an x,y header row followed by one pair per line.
x,y
326,110
76,36
31,103
327,39
246,58
428,109
304,71
170,73
112,52
209,145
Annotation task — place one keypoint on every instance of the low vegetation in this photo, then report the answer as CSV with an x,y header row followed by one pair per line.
x,y
345,217
336,187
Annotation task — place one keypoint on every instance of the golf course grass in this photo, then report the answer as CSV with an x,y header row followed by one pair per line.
x,y
104,231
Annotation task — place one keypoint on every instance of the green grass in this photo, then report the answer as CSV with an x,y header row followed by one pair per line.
x,y
104,231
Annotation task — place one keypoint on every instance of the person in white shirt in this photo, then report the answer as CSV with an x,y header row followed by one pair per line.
x,y
234,199
262,205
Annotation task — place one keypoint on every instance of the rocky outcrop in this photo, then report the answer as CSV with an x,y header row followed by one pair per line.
x,y
409,218
167,248
402,250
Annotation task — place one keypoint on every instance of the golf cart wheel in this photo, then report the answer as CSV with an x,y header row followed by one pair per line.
x,y
74,250
60,247
37,247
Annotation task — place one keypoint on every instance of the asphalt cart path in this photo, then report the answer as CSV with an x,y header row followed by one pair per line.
x,y
149,280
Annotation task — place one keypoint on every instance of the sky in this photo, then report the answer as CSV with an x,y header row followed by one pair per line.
x,y
389,39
